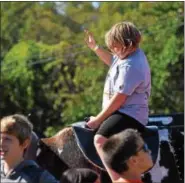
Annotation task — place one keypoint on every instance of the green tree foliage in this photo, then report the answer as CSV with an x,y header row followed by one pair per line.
x,y
48,70
33,21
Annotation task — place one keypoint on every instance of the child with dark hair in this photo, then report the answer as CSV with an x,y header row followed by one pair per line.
x,y
79,175
127,157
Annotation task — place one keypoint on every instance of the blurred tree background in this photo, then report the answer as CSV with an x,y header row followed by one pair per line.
x,y
48,71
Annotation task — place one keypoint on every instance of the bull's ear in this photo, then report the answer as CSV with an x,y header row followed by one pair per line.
x,y
30,152
48,141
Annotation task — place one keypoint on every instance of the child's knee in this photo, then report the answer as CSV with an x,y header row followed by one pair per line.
x,y
99,140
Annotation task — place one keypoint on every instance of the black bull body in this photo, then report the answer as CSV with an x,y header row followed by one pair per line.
x,y
60,152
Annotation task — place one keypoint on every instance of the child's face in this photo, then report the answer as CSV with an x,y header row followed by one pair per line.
x,y
10,148
143,159
118,50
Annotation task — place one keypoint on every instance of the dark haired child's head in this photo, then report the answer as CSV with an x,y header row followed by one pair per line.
x,y
79,175
126,151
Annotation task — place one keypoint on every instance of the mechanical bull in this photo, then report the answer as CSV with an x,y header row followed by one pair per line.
x,y
65,150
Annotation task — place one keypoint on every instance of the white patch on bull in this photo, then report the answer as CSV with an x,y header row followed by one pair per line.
x,y
38,151
164,135
60,151
159,172
164,171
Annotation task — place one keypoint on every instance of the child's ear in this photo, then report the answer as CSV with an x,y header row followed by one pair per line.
x,y
26,143
133,159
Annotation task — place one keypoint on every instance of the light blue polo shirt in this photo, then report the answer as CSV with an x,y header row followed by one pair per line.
x,y
130,76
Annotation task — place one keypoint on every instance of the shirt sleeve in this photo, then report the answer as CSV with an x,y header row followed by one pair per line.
x,y
128,80
114,58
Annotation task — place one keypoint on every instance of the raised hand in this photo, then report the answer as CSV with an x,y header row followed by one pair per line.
x,y
89,39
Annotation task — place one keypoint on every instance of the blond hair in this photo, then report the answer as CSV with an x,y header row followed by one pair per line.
x,y
17,125
124,33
